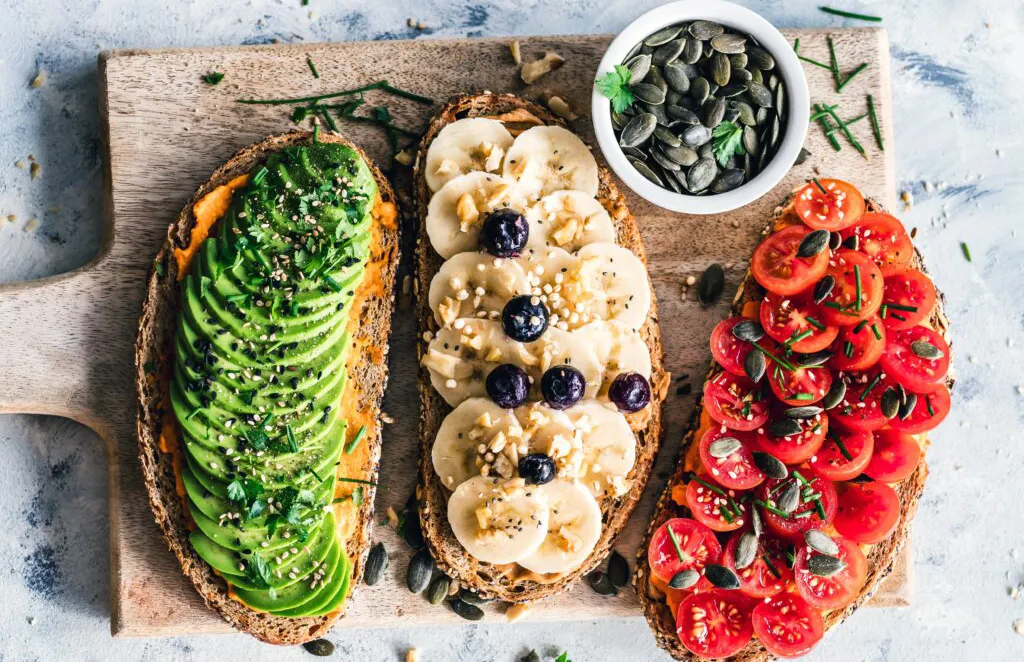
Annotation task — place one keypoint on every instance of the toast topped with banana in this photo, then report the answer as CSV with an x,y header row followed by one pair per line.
x,y
541,361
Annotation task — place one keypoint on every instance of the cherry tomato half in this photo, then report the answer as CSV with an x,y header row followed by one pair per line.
x,y
930,409
908,298
896,456
787,626
785,317
737,470
859,347
882,238
868,512
735,402
839,206
796,524
729,351
842,306
902,361
715,623
768,574
795,448
776,266
844,454
716,507
697,547
860,408
801,386
834,591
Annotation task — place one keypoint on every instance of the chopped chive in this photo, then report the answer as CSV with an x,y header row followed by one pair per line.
x,y
826,126
965,250
796,45
675,542
797,337
379,85
316,475
195,412
906,309
724,512
860,326
818,184
850,76
800,477
856,276
846,132
352,445
814,62
802,514
266,421
782,362
326,114
899,317
840,445
354,480
821,510
834,61
883,311
714,488
312,67
847,14
771,567
293,445
802,396
735,507
848,349
815,323
316,132
872,384
875,330
333,284
928,401
818,114
746,409
874,123
772,509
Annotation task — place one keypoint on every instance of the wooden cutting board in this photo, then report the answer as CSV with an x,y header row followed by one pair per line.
x,y
165,131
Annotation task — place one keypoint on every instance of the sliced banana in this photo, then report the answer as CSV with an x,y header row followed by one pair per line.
x,y
569,220
499,521
460,357
474,284
465,146
608,448
618,348
574,527
474,434
546,159
457,211
614,285
558,347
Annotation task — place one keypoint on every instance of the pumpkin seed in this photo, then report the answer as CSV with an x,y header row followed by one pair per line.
x,y
472,597
466,610
639,129
619,119
760,58
721,576
835,394
789,498
763,115
712,281
825,565
756,523
727,180
726,446
663,36
421,568
701,174
746,550
634,51
706,151
684,579
746,112
684,115
655,78
750,141
907,408
660,116
601,584
634,152
813,243
770,466
814,359
646,171
648,93
889,403
748,330
729,43
692,51
438,589
618,570
705,30
668,52
852,242
776,132
780,99
664,161
412,532
675,76
820,542
784,427
319,647
738,61
694,137
756,76
926,350
532,656
663,134
721,69
809,411
714,113
740,77
682,155
759,94
673,183
823,288
801,158
699,90
639,67
376,564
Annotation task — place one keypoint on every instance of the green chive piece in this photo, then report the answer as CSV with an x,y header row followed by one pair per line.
x,y
379,85
852,74
820,187
834,61
814,62
312,67
874,123
840,445
353,480
856,276
803,396
847,14
714,488
333,284
815,323
796,45
771,567
846,132
293,445
875,330
352,445
848,349
675,542
965,250
872,384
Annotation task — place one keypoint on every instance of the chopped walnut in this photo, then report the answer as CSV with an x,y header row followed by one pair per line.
x,y
533,71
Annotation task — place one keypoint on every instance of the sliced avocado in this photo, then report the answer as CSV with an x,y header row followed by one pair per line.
x,y
294,595
327,601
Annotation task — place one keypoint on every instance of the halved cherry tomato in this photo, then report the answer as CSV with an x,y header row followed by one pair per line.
x,y
715,508
787,626
839,206
795,525
908,298
768,574
859,347
737,470
882,238
801,386
735,402
776,266
795,448
909,368
729,351
930,410
697,547
834,591
785,317
860,408
715,623
841,306
868,512
844,454
896,456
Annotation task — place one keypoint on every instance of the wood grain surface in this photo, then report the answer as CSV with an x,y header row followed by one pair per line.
x,y
165,131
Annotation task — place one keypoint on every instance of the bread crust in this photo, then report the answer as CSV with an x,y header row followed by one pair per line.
x,y
880,558
154,356
431,496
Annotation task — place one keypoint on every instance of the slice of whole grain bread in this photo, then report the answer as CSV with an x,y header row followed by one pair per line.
x,y
367,367
492,581
880,558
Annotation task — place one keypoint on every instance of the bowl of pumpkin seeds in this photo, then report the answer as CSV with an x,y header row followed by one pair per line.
x,y
700,106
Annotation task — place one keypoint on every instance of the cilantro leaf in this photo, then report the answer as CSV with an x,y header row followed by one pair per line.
x,y
235,491
727,141
212,78
258,570
615,86
257,438
564,657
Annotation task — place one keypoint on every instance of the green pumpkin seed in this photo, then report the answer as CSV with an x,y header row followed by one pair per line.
x,y
746,550
660,116
756,76
619,119
813,243
727,180
639,129
762,117
814,359
820,542
466,610
618,570
601,584
664,135
729,43
714,113
664,161
682,114
634,152
780,99
438,589
712,281
705,30
748,330
473,598
724,447
692,51
760,58
673,183
738,61
648,93
667,52
682,155
784,427
675,76
376,564
421,568
907,408
926,350
721,69
825,565
788,500
645,170
759,94
696,136
823,288
756,523
750,141
835,394
770,466
700,89
639,67
746,111
663,36
800,413
319,647
776,132
801,158
684,579
889,403
701,174
721,576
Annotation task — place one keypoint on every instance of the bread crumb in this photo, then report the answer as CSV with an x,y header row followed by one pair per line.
x,y
39,80
516,51
412,655
516,612
36,170
32,225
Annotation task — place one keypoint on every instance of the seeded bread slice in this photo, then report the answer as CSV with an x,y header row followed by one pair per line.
x,y
367,369
880,558
519,114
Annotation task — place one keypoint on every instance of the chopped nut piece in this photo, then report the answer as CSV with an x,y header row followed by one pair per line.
x,y
532,71
19,164
36,170
32,225
39,80
517,53
561,107
516,612
405,157
412,655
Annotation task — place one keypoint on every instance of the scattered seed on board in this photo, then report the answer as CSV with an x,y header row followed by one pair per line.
x,y
466,610
618,570
711,284
421,568
601,584
319,647
376,564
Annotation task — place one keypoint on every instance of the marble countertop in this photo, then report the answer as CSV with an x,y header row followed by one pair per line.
x,y
957,85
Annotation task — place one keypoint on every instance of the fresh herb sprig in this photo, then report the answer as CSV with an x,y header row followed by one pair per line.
x,y
615,86
212,78
727,141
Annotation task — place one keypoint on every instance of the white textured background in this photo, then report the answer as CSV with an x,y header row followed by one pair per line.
x,y
959,91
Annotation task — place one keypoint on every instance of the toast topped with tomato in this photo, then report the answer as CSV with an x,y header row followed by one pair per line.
x,y
804,461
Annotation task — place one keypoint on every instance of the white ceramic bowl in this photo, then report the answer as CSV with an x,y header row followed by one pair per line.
x,y
786,62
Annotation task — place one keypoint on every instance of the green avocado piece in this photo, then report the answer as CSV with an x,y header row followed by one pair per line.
x,y
327,601
295,595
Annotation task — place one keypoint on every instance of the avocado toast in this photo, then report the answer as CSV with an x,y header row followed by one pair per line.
x,y
260,367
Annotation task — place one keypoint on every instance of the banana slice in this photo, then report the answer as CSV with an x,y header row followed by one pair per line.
x,y
457,211
546,159
618,349
459,357
475,284
574,527
499,521
475,434
614,285
569,220
608,448
557,347
465,146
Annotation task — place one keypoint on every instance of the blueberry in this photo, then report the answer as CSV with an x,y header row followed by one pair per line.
x,y
562,386
504,233
537,469
525,318
508,386
630,392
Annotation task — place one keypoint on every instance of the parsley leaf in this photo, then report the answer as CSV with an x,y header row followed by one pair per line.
x,y
255,508
258,570
212,78
564,657
257,438
615,86
727,141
